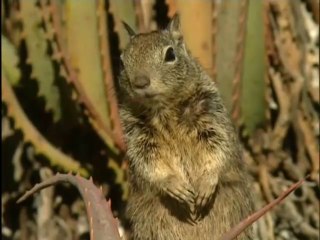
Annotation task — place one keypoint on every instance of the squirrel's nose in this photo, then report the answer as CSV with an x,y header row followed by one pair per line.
x,y
141,82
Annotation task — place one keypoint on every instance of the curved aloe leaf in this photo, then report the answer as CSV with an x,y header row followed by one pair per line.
x,y
253,84
103,226
172,7
108,77
123,10
240,227
226,40
2,13
42,67
70,71
83,45
240,61
85,58
198,15
9,61
31,134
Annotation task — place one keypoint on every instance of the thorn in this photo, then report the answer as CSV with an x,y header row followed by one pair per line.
x,y
36,151
50,9
86,112
34,77
54,32
62,71
45,15
28,61
57,56
73,95
245,132
47,35
23,35
91,234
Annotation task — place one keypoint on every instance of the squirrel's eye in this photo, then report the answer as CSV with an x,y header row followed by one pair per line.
x,y
170,55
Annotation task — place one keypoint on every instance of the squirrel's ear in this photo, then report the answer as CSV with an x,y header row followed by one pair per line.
x,y
174,27
129,29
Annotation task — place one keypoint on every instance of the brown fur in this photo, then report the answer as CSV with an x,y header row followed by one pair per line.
x,y
186,174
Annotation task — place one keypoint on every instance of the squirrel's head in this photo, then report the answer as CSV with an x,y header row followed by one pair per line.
x,y
155,64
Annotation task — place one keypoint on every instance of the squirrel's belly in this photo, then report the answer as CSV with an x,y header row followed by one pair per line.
x,y
153,220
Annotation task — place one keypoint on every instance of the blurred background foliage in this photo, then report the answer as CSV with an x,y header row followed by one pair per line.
x,y
60,61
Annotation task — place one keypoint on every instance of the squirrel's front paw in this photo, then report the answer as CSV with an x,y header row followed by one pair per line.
x,y
206,189
179,190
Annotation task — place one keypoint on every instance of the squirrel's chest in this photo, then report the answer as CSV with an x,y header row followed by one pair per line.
x,y
177,137
168,134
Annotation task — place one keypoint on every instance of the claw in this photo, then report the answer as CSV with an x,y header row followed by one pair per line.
x,y
181,194
207,189
191,192
174,195
191,221
204,200
198,215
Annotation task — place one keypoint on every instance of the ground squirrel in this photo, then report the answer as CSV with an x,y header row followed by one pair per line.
x,y
186,175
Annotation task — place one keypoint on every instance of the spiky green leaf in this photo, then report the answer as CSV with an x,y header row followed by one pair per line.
x,y
123,10
226,47
85,56
42,67
9,61
253,85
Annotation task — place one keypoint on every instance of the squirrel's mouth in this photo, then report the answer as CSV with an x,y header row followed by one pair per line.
x,y
144,98
145,93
